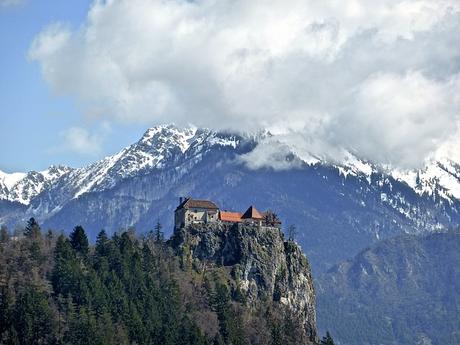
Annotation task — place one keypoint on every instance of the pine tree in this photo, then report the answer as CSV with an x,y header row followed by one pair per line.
x,y
292,232
49,238
33,318
62,276
4,234
32,229
229,322
159,235
327,340
83,328
101,243
148,259
34,241
79,240
6,309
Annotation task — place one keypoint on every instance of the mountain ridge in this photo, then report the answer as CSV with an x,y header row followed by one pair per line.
x,y
402,290
160,143
340,208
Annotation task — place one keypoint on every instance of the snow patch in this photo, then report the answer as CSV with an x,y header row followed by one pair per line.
x,y
10,179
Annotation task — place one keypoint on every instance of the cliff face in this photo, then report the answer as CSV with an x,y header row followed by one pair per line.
x,y
265,268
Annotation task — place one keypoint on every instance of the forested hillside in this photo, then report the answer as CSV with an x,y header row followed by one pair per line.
x,y
123,290
404,290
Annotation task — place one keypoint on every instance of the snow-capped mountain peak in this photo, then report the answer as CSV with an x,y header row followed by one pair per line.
x,y
10,179
440,177
159,147
168,146
22,187
169,134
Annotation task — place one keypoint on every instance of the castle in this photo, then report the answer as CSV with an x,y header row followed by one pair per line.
x,y
193,211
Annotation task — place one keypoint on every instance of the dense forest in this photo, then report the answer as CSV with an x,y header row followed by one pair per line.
x,y
125,289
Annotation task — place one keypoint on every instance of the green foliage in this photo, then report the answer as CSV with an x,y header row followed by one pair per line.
x,y
33,318
124,290
102,243
79,240
230,324
32,229
159,235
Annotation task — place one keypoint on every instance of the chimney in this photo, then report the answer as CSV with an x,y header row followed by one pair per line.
x,y
181,200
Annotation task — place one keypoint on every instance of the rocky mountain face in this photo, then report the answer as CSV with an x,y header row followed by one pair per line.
x,y
264,266
339,208
22,188
405,290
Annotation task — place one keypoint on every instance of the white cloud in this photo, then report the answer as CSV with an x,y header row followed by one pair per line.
x,y
11,3
405,116
82,141
377,77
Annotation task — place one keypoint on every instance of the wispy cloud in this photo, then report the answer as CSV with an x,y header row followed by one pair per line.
x,y
380,78
12,3
83,141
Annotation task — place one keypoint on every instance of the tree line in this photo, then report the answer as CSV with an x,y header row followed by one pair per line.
x,y
124,289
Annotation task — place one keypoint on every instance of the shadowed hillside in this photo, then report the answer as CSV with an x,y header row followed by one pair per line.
x,y
405,290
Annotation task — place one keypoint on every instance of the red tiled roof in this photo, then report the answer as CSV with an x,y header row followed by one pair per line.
x,y
252,213
230,216
193,203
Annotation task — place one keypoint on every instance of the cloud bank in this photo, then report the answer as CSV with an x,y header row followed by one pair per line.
x,y
378,78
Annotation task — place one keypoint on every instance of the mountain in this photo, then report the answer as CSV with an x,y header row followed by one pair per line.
x,y
22,187
404,290
339,207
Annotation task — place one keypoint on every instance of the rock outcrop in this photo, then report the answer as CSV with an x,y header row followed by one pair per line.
x,y
265,267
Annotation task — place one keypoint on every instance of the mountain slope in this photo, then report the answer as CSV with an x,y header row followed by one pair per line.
x,y
339,208
405,290
22,187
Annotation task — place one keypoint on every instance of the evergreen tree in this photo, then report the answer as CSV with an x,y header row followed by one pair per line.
x,y
4,234
79,240
34,242
32,229
123,292
33,318
83,329
159,235
49,238
327,340
65,267
6,309
229,322
292,232
101,243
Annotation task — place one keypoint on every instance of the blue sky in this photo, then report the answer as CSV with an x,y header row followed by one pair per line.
x,y
32,116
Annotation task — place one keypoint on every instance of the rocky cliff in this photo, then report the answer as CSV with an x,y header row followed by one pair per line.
x,y
265,268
